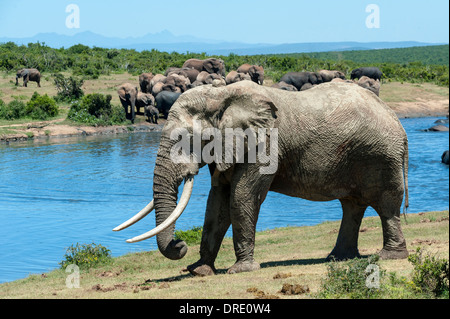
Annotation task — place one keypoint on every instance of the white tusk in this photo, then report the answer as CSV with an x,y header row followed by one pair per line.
x,y
144,212
185,196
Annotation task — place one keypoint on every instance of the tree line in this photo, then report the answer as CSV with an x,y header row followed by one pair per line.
x,y
425,64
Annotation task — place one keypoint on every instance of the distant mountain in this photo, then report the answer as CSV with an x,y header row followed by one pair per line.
x,y
166,41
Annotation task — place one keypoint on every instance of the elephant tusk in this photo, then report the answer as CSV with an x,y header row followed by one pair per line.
x,y
144,212
185,196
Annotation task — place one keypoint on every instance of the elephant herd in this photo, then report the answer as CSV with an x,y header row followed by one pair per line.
x,y
158,92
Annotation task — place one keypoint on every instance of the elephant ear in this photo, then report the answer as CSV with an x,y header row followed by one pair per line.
x,y
208,65
243,109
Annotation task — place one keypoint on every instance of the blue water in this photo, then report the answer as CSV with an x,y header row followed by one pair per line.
x,y
57,193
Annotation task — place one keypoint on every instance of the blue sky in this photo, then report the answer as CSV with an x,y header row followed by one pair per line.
x,y
252,21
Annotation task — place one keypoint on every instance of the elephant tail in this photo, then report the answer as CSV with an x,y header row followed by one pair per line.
x,y
405,177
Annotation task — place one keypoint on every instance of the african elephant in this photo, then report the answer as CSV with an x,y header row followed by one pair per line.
x,y
128,95
371,72
190,73
28,75
211,65
329,75
152,113
445,157
145,82
284,86
234,76
370,84
143,100
336,141
298,79
256,72
208,78
165,100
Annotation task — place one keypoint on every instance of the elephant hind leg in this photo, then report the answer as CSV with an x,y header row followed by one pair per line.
x,y
347,242
394,244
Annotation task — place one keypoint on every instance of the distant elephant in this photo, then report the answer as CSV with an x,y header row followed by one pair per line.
x,y
284,86
234,76
190,73
211,65
371,72
329,75
157,83
208,78
28,75
177,80
437,128
152,113
145,82
256,72
128,95
348,145
143,100
370,84
445,158
165,100
307,86
298,79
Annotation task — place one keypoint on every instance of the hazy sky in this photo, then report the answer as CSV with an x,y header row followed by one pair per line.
x,y
253,21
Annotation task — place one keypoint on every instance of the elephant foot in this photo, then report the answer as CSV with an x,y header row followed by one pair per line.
x,y
243,266
401,253
340,254
201,269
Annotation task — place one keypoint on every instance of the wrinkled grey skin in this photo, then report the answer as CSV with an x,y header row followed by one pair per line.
x,y
28,75
329,75
145,82
370,84
256,72
128,95
234,76
347,145
211,65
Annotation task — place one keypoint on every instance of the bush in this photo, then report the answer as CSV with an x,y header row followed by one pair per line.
x,y
96,109
191,237
430,274
13,111
41,107
69,89
86,255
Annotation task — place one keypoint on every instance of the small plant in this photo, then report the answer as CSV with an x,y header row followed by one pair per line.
x,y
191,236
430,274
41,107
69,89
86,255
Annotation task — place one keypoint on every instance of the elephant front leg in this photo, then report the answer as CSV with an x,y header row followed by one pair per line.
x,y
217,222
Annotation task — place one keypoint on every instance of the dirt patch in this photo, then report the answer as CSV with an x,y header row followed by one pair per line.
x,y
282,276
429,242
420,108
259,294
289,289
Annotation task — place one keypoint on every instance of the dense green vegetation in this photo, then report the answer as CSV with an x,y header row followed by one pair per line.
x,y
425,64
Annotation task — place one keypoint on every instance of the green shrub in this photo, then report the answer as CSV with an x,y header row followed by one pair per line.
x,y
191,236
69,89
41,107
86,255
430,274
96,109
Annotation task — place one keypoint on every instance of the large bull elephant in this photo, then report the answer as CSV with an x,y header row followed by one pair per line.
x,y
335,141
28,75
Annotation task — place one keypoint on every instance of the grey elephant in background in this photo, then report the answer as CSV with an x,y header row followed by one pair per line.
x,y
28,75
350,146
235,76
256,72
128,94
284,86
445,157
208,78
145,82
143,100
329,75
190,73
370,84
164,101
152,113
298,79
371,72
211,65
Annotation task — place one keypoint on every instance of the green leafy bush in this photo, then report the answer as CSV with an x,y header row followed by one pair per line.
x,y
96,109
191,236
69,89
41,107
86,255
13,111
430,274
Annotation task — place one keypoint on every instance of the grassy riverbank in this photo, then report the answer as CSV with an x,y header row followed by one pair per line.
x,y
288,256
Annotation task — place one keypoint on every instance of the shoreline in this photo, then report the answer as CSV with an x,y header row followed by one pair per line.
x,y
37,131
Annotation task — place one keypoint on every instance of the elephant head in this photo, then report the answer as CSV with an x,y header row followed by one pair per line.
x,y
214,65
236,106
256,72
22,73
